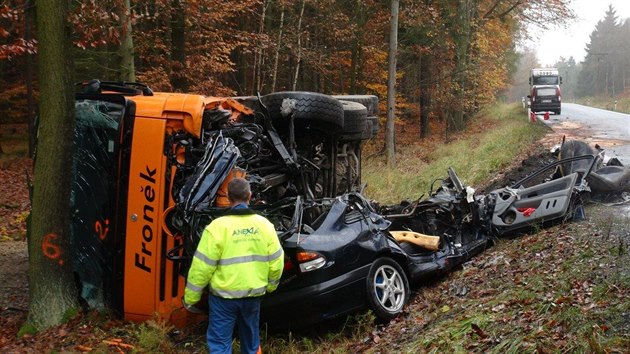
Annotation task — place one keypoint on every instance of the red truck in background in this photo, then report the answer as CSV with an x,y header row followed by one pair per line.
x,y
545,94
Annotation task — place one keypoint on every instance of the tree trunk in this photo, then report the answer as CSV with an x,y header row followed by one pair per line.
x,y
127,69
391,86
51,284
460,37
298,58
353,66
258,56
178,44
425,93
30,99
357,47
277,54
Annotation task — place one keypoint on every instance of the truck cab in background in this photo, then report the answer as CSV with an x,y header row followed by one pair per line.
x,y
545,94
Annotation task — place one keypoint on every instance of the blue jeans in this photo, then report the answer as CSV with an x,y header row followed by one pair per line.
x,y
224,314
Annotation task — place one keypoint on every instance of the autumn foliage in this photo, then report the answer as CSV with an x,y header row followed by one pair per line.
x,y
455,56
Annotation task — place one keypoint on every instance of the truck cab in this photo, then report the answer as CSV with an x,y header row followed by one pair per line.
x,y
545,94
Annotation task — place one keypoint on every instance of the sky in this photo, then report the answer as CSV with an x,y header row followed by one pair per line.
x,y
570,41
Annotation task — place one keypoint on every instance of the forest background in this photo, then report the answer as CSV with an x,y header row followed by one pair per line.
x,y
454,56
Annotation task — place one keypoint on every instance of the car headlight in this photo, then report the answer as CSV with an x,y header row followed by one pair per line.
x,y
310,261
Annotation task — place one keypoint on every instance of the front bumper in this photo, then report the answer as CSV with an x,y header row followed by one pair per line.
x,y
545,106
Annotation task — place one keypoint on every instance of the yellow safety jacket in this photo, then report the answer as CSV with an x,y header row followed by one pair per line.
x,y
239,256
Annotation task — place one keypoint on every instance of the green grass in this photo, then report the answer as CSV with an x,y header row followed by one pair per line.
x,y
356,327
152,337
474,157
608,103
27,328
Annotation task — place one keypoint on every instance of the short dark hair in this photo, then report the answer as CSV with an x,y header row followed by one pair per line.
x,y
238,190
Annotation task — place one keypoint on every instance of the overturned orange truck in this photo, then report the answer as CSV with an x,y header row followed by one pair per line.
x,y
125,167
135,153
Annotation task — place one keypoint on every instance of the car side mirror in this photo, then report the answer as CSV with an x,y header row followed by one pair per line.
x,y
530,80
560,80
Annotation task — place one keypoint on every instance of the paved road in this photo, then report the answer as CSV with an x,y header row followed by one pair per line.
x,y
611,130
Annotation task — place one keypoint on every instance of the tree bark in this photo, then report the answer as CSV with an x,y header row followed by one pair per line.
x,y
178,44
357,46
299,47
425,93
460,37
258,56
127,69
277,54
30,99
51,284
391,86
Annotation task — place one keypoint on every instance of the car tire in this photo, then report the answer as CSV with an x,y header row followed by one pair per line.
x,y
387,288
558,112
309,107
369,101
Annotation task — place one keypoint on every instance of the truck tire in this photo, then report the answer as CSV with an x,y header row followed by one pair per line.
x,y
375,125
368,133
306,106
354,117
369,101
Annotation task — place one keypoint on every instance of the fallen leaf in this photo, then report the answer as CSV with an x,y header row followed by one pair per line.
x,y
478,331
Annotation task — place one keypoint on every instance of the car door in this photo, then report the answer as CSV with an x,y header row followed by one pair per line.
x,y
543,197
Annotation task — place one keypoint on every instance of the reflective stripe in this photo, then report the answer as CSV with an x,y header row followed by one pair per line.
x,y
277,254
274,282
239,293
193,287
202,257
252,258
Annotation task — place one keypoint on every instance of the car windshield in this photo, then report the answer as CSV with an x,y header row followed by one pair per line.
x,y
545,80
94,178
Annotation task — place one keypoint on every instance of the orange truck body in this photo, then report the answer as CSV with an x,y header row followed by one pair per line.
x,y
145,283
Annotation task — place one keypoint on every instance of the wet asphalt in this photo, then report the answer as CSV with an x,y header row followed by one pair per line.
x,y
611,130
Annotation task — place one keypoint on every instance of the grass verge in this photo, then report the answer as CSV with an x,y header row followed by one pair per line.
x,y
617,104
490,143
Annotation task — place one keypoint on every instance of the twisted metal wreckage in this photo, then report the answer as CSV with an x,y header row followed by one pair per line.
x,y
153,168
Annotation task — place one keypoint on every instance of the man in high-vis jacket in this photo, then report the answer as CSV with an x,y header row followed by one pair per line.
x,y
239,256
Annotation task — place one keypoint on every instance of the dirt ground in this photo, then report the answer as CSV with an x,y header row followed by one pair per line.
x,y
13,288
13,280
14,207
